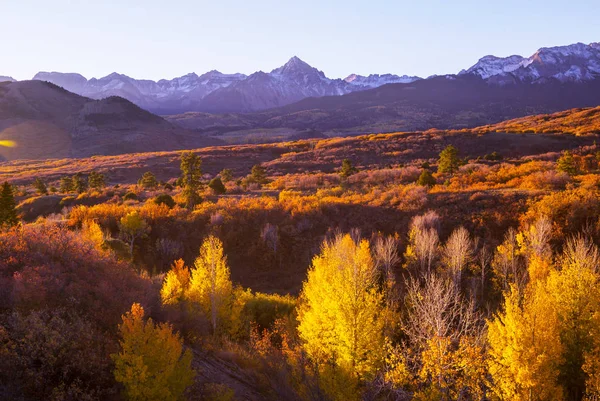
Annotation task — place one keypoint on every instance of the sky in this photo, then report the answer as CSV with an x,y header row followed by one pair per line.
x,y
155,39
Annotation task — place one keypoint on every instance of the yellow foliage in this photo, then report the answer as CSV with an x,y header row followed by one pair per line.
x,y
525,348
454,370
210,285
342,313
151,364
92,231
176,284
576,292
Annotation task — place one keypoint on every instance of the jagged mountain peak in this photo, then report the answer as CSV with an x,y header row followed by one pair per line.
x,y
295,66
575,62
376,80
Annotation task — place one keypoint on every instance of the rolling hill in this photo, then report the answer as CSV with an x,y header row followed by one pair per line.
x,y
42,120
448,102
575,121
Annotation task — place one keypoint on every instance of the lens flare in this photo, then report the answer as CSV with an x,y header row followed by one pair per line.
x,y
8,144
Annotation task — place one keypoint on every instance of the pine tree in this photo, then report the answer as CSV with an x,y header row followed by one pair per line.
x,y
426,179
258,174
342,312
191,175
96,180
348,168
66,185
79,184
210,285
148,181
151,363
226,175
217,186
448,161
566,163
40,187
8,207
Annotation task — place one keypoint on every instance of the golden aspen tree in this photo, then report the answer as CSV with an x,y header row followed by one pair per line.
x,y
458,253
151,363
506,263
92,231
576,292
176,284
423,243
341,313
534,244
445,333
524,347
591,365
210,285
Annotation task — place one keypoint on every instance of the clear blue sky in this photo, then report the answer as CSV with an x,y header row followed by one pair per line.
x,y
167,38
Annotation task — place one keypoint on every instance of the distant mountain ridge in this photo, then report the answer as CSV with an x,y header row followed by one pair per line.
x,y
218,92
573,63
215,92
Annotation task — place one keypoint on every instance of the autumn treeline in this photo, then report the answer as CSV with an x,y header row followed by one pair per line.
x,y
373,324
487,290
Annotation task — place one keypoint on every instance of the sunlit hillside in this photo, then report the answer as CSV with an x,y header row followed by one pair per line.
x,y
390,266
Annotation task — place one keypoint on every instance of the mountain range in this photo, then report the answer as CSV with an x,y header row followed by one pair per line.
x,y
218,92
76,117
215,92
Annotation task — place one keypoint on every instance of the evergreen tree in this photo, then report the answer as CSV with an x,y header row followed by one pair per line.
x,y
347,168
79,184
226,175
148,181
426,179
96,180
191,175
448,161
66,184
8,207
40,187
217,186
258,174
566,163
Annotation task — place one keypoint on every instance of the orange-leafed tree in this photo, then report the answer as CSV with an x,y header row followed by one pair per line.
x,y
151,363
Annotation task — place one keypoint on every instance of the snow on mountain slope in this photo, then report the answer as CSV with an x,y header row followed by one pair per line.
x,y
572,63
489,66
376,80
163,95
297,80
6,79
293,81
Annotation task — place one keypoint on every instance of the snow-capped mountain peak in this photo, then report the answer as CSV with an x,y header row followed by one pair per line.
x,y
489,66
376,80
576,62
295,67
